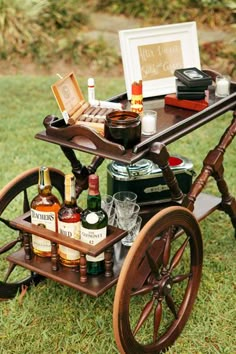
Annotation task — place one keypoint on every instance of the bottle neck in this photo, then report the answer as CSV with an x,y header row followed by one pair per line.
x,y
44,181
47,190
94,197
70,193
94,202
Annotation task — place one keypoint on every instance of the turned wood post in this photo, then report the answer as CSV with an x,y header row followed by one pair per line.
x,y
213,166
27,245
81,172
109,262
54,256
160,156
83,268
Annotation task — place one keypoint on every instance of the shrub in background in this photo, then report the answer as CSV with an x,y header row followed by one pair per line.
x,y
19,28
45,31
48,30
210,12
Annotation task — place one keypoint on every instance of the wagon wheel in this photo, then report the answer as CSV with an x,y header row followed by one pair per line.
x,y
158,283
15,200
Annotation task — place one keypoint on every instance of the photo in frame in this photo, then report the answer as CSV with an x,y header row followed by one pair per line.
x,y
152,54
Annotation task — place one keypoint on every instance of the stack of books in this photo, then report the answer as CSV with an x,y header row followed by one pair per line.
x,y
191,89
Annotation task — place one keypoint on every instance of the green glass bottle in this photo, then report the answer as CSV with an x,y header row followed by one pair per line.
x,y
94,222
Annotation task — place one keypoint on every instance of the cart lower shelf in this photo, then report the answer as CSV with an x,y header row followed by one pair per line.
x,y
97,285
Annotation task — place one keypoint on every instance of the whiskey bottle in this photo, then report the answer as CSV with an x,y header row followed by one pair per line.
x,y
69,223
94,222
44,209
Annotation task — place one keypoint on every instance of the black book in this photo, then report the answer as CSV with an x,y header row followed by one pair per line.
x,y
181,87
190,95
193,77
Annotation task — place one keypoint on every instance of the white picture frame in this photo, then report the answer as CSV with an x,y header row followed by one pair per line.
x,y
152,54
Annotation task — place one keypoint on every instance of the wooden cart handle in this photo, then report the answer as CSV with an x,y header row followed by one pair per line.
x,y
81,135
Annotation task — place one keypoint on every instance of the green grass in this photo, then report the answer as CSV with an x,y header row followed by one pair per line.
x,y
57,319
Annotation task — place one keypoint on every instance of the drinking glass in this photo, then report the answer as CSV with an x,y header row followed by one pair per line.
x,y
133,233
128,221
107,203
127,212
112,217
124,202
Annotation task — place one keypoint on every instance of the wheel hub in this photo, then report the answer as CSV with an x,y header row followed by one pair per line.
x,y
163,286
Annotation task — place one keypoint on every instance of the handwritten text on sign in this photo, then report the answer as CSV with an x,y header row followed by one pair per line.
x,y
160,60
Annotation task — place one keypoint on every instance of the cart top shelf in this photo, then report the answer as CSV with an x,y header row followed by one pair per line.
x,y
173,123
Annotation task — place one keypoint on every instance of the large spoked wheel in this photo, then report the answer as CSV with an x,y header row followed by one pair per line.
x,y
158,283
15,200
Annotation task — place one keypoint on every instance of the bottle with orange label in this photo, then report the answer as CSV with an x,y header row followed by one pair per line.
x,y
69,223
44,210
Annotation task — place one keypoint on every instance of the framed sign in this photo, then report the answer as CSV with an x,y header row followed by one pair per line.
x,y
152,54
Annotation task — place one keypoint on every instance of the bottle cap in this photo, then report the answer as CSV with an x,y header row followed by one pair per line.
x,y
91,81
44,177
137,88
69,179
94,183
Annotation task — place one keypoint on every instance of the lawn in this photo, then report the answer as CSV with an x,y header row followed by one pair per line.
x,y
56,319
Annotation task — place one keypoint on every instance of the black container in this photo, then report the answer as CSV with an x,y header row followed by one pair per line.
x,y
146,179
123,127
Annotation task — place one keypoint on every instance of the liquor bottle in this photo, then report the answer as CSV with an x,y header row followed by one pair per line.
x,y
94,222
44,209
69,223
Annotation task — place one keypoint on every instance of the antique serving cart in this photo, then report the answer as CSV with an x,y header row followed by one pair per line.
x,y
159,276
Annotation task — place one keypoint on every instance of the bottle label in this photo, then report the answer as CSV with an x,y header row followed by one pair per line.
x,y
46,220
71,230
93,237
92,218
137,103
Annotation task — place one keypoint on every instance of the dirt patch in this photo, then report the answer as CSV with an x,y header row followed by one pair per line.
x,y
27,67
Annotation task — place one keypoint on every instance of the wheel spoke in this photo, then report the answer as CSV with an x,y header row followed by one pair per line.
x,y
178,255
10,269
157,319
10,245
144,290
171,305
7,223
144,315
181,277
166,254
26,204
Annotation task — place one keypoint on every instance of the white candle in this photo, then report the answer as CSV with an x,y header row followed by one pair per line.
x,y
149,122
222,86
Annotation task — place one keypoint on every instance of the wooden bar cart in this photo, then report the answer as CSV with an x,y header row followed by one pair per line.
x,y
158,277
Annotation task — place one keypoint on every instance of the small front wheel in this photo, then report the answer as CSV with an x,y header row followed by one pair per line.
x,y
158,283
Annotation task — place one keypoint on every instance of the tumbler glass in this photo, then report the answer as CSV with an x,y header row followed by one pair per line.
x,y
133,233
124,201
